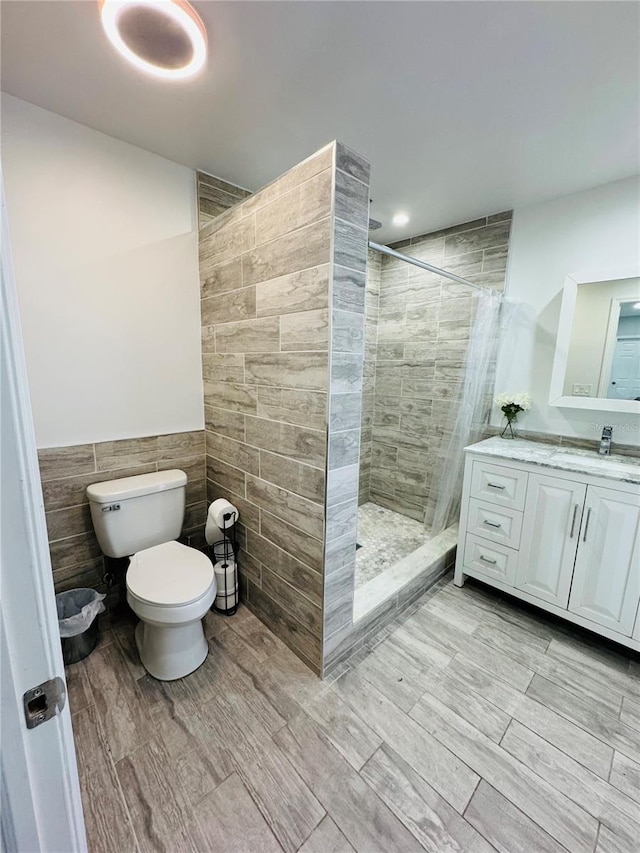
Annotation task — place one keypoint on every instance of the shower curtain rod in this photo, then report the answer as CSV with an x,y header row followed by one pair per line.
x,y
385,250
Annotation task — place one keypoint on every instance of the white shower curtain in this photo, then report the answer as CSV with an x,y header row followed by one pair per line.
x,y
470,415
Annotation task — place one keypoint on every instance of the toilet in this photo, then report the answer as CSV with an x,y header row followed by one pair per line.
x,y
170,587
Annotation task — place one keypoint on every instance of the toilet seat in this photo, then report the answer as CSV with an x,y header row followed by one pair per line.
x,y
169,575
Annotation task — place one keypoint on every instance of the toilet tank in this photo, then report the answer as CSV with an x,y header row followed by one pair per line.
x,y
137,512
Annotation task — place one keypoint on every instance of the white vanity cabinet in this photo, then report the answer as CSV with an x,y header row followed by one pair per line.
x,y
606,580
551,526
563,533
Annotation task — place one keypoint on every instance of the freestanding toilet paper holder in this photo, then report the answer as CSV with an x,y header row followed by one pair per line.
x,y
227,591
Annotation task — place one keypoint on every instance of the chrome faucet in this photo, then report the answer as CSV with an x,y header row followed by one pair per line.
x,y
605,441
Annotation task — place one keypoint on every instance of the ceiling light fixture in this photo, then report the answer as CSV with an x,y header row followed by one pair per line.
x,y
165,38
400,219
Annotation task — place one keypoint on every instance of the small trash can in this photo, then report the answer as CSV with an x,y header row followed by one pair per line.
x,y
77,618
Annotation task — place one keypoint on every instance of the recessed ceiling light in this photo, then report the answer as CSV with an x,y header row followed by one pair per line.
x,y
165,38
400,219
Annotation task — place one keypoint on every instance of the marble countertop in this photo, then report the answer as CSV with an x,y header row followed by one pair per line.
x,y
623,469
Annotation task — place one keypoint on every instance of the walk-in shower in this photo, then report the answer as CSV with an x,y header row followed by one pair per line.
x,y
432,323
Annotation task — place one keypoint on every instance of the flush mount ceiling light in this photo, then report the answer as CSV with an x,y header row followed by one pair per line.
x,y
400,219
165,38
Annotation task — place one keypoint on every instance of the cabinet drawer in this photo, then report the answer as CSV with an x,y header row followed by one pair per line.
x,y
497,523
490,559
498,485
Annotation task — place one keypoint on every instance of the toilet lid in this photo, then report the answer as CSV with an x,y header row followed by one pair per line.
x,y
169,574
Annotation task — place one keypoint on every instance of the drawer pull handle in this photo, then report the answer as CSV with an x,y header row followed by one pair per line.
x,y
491,523
586,525
573,521
488,560
495,486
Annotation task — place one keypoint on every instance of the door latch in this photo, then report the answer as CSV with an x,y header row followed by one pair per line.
x,y
44,701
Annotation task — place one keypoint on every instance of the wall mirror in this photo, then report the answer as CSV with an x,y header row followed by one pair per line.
x,y
597,358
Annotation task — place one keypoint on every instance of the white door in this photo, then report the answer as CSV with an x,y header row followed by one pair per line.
x,y
41,805
625,370
550,531
606,581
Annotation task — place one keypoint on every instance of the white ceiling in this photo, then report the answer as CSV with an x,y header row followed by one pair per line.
x,y
463,108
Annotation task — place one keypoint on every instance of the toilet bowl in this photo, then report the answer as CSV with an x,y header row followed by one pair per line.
x,y
170,587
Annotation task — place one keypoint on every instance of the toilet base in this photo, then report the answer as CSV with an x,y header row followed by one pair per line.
x,y
169,652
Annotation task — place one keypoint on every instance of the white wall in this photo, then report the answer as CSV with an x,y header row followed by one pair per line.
x,y
105,252
584,232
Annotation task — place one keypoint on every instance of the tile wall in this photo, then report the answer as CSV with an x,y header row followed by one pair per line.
x,y
374,272
422,338
215,196
348,306
268,270
66,472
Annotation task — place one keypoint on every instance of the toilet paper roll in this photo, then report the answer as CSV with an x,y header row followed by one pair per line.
x,y
226,585
225,572
223,513
216,520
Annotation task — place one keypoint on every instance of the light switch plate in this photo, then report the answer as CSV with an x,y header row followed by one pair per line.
x,y
581,391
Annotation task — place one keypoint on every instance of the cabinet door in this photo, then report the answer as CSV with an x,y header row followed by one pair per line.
x,y
606,582
550,531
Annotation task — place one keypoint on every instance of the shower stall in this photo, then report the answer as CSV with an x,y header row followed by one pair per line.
x,y
433,315
337,399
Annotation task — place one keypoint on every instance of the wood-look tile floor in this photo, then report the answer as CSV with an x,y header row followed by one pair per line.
x,y
473,725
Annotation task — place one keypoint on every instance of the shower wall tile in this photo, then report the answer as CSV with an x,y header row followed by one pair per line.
x,y
266,336
231,396
224,422
295,573
236,453
293,406
301,512
352,199
238,305
215,196
302,205
260,335
306,247
349,305
76,559
295,442
345,412
222,278
227,241
298,478
303,370
350,245
348,332
349,289
306,331
422,336
351,163
306,290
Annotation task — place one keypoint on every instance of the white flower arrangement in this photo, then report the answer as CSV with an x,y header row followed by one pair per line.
x,y
521,402
511,404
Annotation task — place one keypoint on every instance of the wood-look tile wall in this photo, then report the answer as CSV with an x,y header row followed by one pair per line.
x,y
348,304
422,338
66,472
215,196
265,269
283,295
372,297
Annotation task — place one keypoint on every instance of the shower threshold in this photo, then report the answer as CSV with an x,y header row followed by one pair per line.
x,y
409,576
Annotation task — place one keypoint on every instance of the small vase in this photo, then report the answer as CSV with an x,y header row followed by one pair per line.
x,y
508,430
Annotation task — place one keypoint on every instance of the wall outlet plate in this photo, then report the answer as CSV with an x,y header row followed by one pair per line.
x,y
581,390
